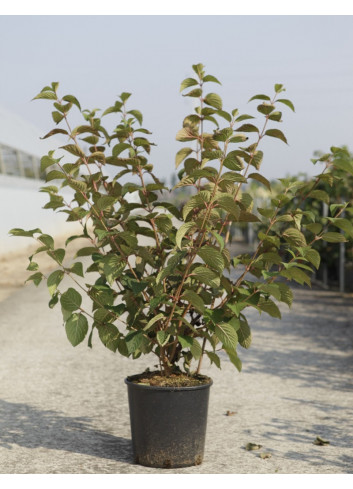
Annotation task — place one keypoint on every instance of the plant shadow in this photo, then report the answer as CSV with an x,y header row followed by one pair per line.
x,y
30,427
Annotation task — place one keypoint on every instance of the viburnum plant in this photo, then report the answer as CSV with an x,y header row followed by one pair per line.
x,y
160,279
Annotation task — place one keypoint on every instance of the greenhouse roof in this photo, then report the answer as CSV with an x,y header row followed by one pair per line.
x,y
19,134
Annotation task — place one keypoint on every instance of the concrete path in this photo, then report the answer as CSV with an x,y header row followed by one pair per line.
x,y
64,410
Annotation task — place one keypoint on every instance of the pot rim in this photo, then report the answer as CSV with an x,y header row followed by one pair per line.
x,y
166,388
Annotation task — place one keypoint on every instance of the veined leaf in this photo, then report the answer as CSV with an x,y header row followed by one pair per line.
x,y
260,97
276,133
244,334
76,328
152,321
188,82
212,257
162,337
260,178
181,155
333,237
133,341
194,299
227,335
206,276
213,100
182,231
320,195
71,300
269,307
247,128
192,343
286,102
295,237
197,201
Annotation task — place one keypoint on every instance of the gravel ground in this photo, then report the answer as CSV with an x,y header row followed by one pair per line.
x,y
64,410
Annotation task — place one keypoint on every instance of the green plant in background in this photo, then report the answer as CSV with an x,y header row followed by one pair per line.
x,y
161,280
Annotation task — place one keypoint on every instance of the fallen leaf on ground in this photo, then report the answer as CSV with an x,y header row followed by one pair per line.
x,y
252,446
265,455
320,441
230,413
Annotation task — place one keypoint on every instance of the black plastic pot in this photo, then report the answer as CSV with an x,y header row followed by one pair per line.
x,y
168,424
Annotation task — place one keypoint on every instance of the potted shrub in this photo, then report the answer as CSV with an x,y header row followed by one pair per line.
x,y
160,279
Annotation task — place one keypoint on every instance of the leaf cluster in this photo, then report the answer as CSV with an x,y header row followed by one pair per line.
x,y
161,279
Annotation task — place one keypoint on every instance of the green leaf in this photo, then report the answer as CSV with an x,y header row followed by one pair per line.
x,y
210,78
294,237
192,343
74,149
244,117
105,202
55,175
227,203
244,334
36,278
152,321
54,300
286,102
260,97
73,100
265,108
133,341
78,185
214,358
206,276
320,441
46,95
71,300
137,114
196,92
333,237
252,446
162,337
125,96
213,100
77,269
227,335
188,82
54,280
47,240
315,228
22,232
233,357
196,201
343,224
47,161
57,116
182,231
76,328
261,179
276,133
181,155
313,256
247,128
286,294
233,162
186,134
212,257
109,336
296,274
269,307
320,195
194,299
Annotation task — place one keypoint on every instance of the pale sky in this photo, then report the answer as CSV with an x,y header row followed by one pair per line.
x,y
97,57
